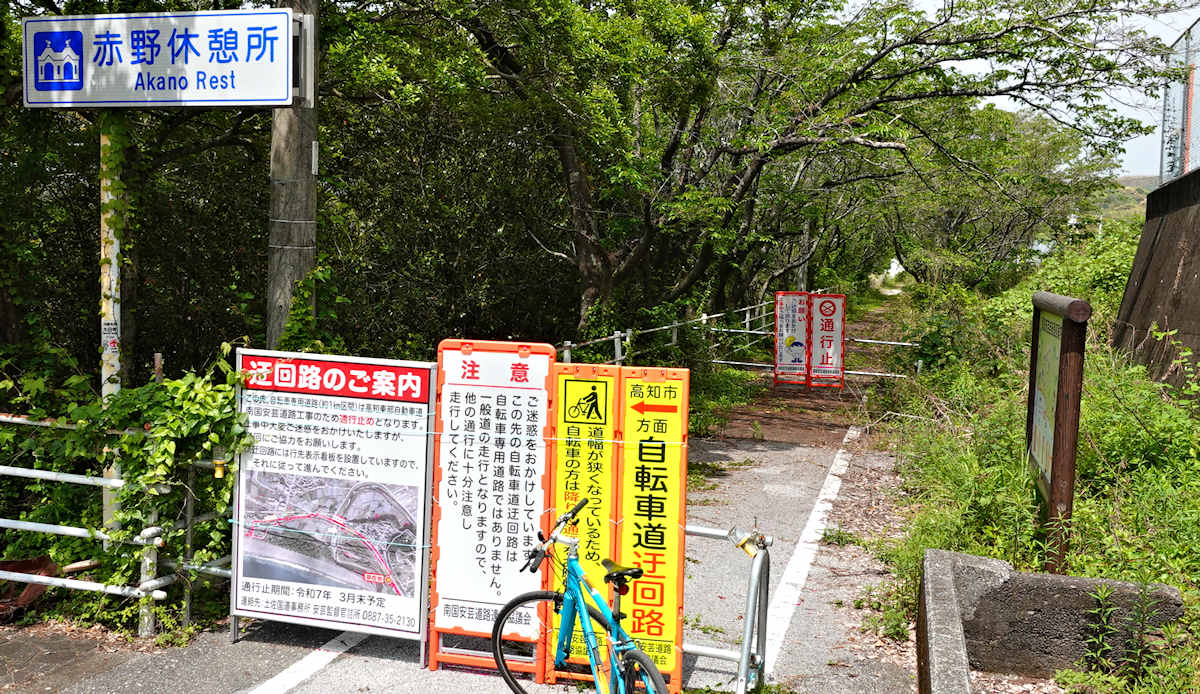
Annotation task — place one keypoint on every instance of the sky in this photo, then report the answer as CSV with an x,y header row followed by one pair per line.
x,y
1142,153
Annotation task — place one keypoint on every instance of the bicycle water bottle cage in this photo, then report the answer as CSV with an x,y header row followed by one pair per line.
x,y
620,574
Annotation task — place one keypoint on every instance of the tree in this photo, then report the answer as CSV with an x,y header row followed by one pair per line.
x,y
666,117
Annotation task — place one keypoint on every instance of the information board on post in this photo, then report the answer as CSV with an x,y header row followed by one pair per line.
x,y
490,475
791,337
215,58
331,511
827,340
586,467
653,490
1052,411
1045,396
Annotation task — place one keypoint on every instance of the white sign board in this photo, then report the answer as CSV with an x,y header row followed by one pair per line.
x,y
218,58
827,340
791,337
492,414
332,501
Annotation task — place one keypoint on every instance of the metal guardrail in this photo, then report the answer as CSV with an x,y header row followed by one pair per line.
x,y
752,658
150,538
622,340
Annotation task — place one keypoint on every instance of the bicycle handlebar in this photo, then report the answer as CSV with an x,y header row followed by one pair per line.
x,y
534,559
570,515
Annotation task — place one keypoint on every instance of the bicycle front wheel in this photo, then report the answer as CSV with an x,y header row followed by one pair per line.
x,y
522,623
639,672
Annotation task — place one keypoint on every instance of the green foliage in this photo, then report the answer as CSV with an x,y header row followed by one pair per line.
x,y
715,392
1137,496
314,307
152,433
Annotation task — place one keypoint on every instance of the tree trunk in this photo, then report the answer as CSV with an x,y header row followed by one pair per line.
x,y
591,259
292,253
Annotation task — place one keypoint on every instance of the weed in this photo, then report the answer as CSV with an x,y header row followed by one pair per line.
x,y
837,536
1099,640
694,622
969,490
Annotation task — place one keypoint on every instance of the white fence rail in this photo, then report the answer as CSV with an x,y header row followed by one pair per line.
x,y
150,538
755,320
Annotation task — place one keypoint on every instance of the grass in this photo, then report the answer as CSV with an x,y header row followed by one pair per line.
x,y
837,536
1136,505
704,475
715,393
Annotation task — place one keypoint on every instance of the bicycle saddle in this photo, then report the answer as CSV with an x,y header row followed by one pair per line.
x,y
616,572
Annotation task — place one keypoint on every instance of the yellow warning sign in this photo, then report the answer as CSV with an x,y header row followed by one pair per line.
x,y
585,467
653,485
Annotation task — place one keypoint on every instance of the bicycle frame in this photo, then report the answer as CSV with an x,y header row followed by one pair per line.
x,y
574,603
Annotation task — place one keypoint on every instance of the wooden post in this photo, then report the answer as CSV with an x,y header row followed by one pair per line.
x,y
1052,410
292,250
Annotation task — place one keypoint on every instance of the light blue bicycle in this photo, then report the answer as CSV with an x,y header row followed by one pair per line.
x,y
616,664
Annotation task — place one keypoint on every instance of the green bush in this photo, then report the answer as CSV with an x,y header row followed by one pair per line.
x,y
1137,506
153,433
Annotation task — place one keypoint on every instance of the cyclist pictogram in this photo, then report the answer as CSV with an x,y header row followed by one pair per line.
x,y
586,401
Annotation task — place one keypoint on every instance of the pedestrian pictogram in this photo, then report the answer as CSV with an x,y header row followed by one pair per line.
x,y
586,401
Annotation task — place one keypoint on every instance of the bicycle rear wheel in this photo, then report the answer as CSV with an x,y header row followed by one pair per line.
x,y
515,658
640,673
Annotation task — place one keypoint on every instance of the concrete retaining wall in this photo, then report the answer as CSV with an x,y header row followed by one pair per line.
x,y
979,613
1162,286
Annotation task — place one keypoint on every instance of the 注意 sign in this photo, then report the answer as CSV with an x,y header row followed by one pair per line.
x,y
490,476
827,340
216,58
331,509
791,337
1052,412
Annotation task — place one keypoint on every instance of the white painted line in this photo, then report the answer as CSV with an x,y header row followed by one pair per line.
x,y
310,664
795,574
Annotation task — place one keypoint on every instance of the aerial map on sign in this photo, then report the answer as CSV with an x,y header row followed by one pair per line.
x,y
336,533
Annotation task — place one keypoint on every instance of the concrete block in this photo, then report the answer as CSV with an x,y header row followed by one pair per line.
x,y
942,666
1035,624
978,613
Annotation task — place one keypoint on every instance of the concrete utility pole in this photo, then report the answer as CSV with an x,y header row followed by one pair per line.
x,y
292,251
112,221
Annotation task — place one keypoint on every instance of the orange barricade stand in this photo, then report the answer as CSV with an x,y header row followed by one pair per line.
x,y
653,503
499,374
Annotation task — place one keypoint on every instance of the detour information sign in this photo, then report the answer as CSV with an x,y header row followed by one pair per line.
x,y
332,499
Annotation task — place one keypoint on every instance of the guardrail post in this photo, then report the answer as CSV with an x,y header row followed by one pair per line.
x,y
674,334
189,517
567,351
618,352
146,621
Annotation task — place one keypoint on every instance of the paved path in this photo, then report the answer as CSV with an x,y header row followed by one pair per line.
x,y
775,484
